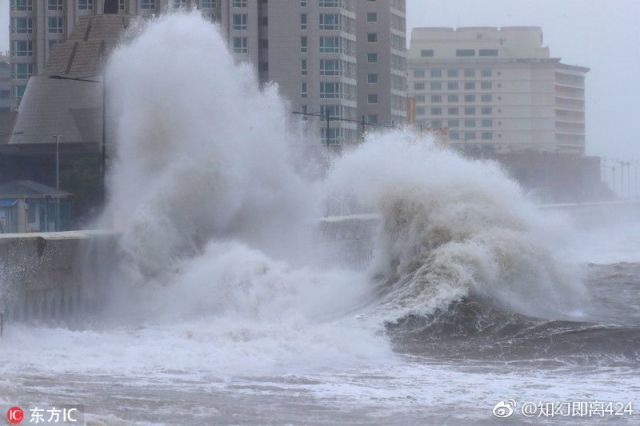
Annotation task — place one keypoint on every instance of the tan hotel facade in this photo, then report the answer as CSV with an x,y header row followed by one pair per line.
x,y
497,86
342,58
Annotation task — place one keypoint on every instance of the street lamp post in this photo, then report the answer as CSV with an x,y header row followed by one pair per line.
x,y
103,144
57,138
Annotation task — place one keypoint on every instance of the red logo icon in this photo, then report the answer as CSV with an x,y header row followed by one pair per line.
x,y
15,415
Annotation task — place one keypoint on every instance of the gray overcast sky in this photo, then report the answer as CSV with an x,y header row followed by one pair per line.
x,y
603,35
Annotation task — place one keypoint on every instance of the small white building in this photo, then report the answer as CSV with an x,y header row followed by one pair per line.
x,y
497,86
27,206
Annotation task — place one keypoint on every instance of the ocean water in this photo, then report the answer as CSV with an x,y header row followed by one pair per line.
x,y
227,306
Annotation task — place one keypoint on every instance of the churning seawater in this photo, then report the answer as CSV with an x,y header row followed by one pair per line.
x,y
227,306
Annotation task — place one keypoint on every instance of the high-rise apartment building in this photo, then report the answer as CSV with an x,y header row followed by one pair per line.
x,y
382,61
5,84
497,87
342,59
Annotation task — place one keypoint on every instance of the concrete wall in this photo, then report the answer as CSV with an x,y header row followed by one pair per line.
x,y
41,278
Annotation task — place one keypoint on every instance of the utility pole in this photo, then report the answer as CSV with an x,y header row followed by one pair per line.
x,y
328,127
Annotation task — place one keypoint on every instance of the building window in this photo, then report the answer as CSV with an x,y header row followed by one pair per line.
x,y
240,45
55,25
486,111
452,98
23,25
486,98
486,73
304,92
22,5
421,111
436,99
372,17
372,37
420,99
372,58
465,52
329,21
453,111
487,136
469,85
418,86
453,123
487,123
54,5
469,136
436,85
486,85
329,3
372,98
469,123
469,98
454,136
452,85
488,52
18,91
85,4
452,73
239,3
329,90
436,111
470,111
303,44
147,4
52,43
22,48
418,73
372,119
303,3
436,73
330,45
372,78
469,73
426,53
330,67
303,21
22,71
240,22
331,111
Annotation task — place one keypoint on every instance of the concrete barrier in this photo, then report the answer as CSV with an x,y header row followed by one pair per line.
x,y
58,276
42,276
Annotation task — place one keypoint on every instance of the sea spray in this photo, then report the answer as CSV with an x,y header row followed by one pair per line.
x,y
452,228
202,150
218,225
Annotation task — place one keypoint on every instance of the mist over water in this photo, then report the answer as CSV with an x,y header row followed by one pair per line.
x,y
227,289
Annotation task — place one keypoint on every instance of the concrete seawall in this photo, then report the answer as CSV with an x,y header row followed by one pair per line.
x,y
41,275
53,277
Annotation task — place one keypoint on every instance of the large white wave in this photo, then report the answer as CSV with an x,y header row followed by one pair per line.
x,y
217,223
453,228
